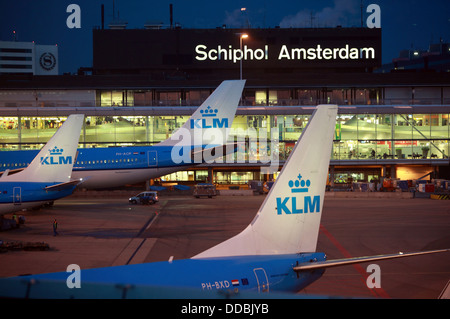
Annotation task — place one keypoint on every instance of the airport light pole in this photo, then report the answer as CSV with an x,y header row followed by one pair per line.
x,y
241,37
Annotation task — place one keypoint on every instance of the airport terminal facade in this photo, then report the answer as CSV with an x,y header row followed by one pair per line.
x,y
389,124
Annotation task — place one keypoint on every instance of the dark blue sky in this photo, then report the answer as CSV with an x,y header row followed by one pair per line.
x,y
404,24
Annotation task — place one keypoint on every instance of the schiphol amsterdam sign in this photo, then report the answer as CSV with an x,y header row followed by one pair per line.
x,y
319,52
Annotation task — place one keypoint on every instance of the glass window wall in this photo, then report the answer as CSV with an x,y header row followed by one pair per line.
x,y
116,98
400,96
251,97
357,136
388,136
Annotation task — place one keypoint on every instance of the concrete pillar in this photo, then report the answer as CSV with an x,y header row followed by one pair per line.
x,y
393,171
331,175
210,175
149,128
383,171
19,131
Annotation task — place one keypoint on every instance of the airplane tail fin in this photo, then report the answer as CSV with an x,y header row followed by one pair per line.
x,y
55,161
289,218
211,122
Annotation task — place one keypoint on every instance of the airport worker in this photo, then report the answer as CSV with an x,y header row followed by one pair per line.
x,y
55,227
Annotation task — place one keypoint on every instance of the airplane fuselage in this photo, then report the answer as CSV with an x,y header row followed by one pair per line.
x,y
15,196
258,274
108,167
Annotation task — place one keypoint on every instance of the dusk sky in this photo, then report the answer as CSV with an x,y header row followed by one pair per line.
x,y
405,24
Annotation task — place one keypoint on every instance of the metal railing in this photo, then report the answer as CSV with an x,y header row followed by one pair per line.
x,y
244,102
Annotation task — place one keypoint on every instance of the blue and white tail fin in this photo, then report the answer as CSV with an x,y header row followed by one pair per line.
x,y
55,161
211,122
289,218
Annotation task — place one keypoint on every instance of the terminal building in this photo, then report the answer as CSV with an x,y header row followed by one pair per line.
x,y
145,83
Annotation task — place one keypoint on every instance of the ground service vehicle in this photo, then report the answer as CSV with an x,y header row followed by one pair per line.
x,y
205,189
143,198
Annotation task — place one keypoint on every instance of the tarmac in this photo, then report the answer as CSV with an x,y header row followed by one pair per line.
x,y
100,231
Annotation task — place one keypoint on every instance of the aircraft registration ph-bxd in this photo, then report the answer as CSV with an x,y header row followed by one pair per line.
x,y
275,253
203,136
48,177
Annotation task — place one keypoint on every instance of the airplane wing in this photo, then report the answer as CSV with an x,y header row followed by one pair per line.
x,y
11,171
356,260
60,186
208,154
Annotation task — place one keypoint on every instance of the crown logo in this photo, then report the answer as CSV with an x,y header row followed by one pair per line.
x,y
209,112
56,151
299,185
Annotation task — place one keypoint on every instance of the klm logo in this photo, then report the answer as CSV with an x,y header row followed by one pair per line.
x,y
56,158
209,120
289,205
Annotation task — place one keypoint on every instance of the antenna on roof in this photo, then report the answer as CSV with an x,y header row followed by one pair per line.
x,y
312,17
117,23
362,14
171,15
103,15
